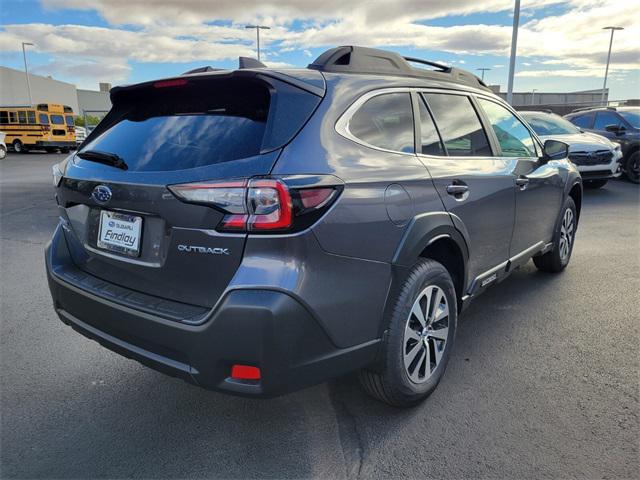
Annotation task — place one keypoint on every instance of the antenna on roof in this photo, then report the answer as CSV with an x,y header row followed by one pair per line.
x,y
247,62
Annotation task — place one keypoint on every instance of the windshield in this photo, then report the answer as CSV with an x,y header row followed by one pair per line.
x,y
631,116
549,124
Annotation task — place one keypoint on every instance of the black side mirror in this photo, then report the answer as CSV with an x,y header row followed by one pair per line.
x,y
617,129
555,150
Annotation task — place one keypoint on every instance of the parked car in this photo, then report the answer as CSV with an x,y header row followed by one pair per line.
x,y
3,146
618,124
81,134
256,231
597,158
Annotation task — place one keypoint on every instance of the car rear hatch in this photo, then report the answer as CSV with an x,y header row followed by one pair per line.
x,y
124,225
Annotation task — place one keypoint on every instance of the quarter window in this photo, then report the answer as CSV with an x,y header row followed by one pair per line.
x,y
514,138
429,139
604,119
385,121
459,125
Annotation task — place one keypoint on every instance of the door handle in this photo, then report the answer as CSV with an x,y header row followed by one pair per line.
x,y
522,182
457,189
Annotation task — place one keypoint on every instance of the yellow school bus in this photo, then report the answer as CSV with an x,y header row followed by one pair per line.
x,y
45,126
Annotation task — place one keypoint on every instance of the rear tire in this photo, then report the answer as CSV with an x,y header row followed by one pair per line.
x,y
18,147
595,183
558,258
632,167
419,339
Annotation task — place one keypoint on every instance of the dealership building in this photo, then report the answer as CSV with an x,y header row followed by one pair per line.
x,y
13,91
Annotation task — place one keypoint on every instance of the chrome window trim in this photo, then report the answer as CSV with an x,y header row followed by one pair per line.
x,y
342,124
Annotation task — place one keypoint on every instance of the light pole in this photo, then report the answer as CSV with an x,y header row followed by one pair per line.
x,y
514,44
483,70
258,28
533,92
26,70
606,72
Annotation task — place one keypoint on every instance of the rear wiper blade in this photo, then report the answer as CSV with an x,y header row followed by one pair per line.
x,y
107,158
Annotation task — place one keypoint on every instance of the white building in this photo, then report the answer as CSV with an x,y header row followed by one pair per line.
x,y
13,91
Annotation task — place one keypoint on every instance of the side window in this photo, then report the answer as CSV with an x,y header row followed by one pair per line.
x,y
4,117
385,121
603,119
22,117
429,139
514,138
31,116
582,121
459,125
44,119
13,117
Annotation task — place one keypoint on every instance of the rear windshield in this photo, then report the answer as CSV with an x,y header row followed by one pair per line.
x,y
191,126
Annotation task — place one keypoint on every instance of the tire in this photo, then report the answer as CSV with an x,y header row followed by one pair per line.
x,y
558,258
595,183
50,149
64,150
18,147
632,167
3,152
408,343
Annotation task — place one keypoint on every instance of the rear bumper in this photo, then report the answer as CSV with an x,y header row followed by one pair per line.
x,y
259,327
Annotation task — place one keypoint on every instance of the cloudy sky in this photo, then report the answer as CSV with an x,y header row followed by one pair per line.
x,y
561,46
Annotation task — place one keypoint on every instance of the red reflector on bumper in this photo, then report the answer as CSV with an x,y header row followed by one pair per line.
x,y
245,372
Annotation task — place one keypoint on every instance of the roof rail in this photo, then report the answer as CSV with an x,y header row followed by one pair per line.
x,y
352,59
206,68
247,62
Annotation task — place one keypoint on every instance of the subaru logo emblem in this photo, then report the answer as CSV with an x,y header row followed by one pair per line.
x,y
101,194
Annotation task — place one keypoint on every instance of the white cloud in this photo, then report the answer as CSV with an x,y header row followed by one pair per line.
x,y
182,31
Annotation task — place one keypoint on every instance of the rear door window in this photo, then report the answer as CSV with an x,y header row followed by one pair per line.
x,y
385,121
459,125
604,119
583,121
429,138
514,138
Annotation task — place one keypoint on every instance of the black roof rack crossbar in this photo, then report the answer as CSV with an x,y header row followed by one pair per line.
x,y
439,66
352,59
248,62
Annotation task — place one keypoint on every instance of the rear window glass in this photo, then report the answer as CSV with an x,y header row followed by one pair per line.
x,y
57,119
214,121
385,121
458,123
69,120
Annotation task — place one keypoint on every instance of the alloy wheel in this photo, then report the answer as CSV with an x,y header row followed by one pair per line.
x,y
566,234
426,333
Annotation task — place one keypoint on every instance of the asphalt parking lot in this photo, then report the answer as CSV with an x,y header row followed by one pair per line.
x,y
543,381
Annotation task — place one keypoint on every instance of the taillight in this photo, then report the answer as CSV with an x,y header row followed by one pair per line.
x,y
178,82
258,205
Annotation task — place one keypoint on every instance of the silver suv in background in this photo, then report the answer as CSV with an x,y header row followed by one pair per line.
x,y
597,158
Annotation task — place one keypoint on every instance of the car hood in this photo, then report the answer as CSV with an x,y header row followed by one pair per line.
x,y
582,142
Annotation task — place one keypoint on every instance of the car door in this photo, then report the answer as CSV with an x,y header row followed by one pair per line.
x,y
476,188
538,184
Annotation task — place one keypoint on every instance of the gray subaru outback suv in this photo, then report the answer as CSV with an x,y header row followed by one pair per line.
x,y
256,231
